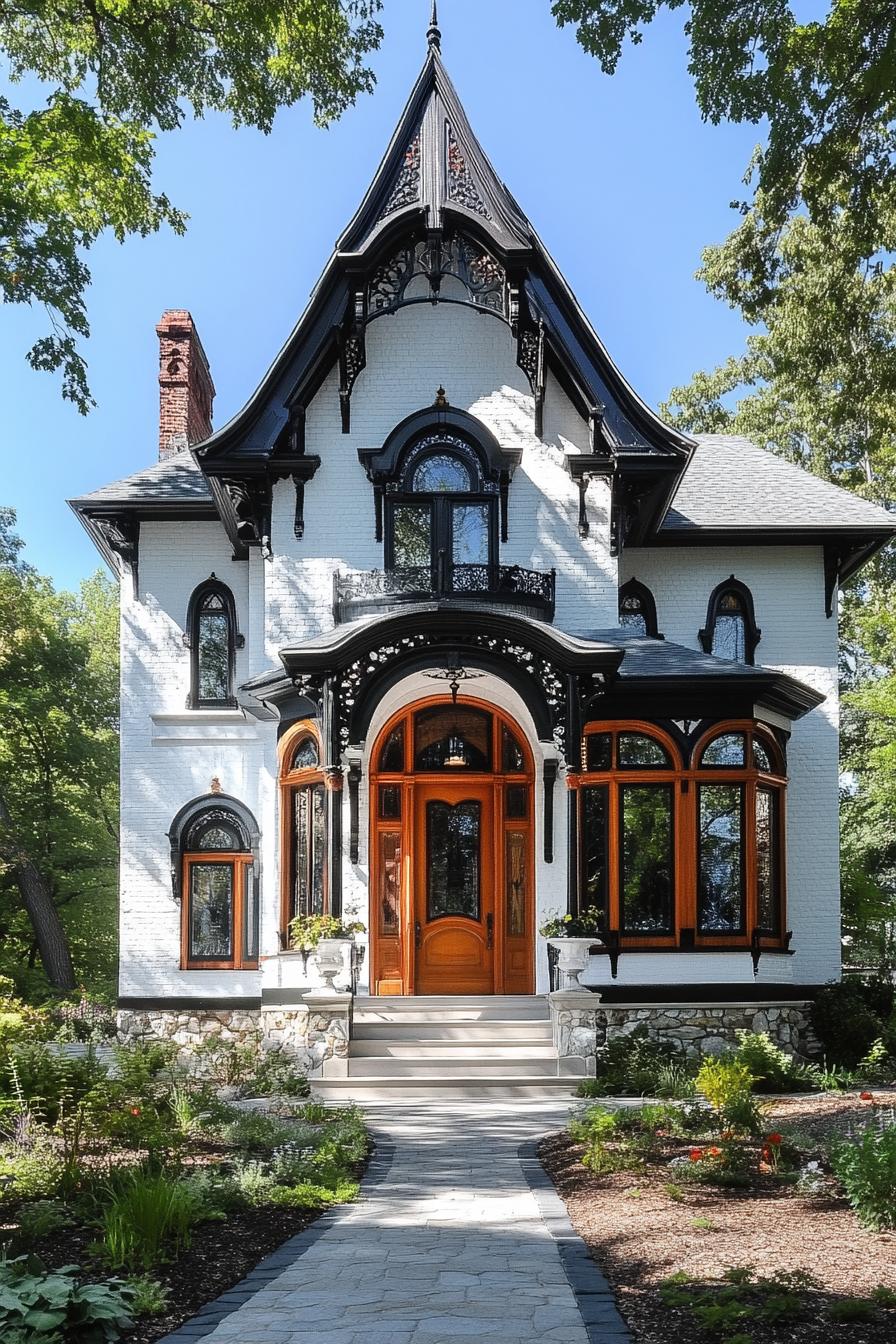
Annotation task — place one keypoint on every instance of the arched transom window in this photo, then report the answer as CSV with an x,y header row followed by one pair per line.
x,y
683,849
441,517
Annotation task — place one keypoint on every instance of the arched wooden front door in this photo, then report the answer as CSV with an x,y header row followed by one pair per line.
x,y
452,899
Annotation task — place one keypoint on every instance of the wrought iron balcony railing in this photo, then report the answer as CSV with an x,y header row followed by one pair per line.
x,y
360,592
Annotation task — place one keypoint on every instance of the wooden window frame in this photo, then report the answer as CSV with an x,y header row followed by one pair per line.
x,y
686,777
243,865
291,781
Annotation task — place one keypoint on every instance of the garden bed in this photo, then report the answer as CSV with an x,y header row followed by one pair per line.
x,y
648,1223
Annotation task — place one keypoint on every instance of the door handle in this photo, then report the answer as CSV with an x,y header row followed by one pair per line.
x,y
418,932
489,930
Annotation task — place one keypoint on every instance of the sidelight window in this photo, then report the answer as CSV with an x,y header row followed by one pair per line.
x,y
303,812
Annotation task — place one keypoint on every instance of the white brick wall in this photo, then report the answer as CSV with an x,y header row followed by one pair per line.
x,y
290,597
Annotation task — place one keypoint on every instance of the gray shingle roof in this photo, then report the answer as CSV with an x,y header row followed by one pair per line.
x,y
661,658
176,480
733,485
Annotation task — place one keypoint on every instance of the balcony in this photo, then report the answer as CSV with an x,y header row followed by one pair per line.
x,y
528,592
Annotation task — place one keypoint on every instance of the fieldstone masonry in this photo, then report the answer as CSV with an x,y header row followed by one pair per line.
x,y
582,1025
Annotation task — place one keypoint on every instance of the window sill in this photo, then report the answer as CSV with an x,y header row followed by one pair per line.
x,y
203,725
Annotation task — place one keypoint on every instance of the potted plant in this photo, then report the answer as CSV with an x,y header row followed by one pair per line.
x,y
325,936
573,936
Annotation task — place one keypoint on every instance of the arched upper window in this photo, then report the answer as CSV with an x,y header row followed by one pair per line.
x,y
212,636
731,630
303,826
678,852
637,610
214,866
441,517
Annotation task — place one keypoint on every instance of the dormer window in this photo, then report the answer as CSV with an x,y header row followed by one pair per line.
x,y
441,519
637,610
212,638
731,631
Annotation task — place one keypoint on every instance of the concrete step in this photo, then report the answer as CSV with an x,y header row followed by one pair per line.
x,y
546,1066
444,1090
475,1033
451,1008
496,1048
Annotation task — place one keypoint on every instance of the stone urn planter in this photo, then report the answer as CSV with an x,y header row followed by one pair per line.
x,y
331,959
572,958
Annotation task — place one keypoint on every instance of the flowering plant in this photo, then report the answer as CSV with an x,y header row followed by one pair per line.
x,y
588,923
306,931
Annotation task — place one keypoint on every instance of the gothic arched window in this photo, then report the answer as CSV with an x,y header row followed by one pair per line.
x,y
441,518
213,639
214,868
731,630
637,610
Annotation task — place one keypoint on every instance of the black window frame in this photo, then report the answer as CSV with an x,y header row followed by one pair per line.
x,y
752,633
634,588
212,587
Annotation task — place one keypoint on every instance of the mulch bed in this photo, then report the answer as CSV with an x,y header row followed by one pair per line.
x,y
639,1235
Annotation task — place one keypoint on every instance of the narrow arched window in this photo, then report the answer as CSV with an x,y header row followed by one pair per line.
x,y
731,630
637,610
213,639
214,864
303,814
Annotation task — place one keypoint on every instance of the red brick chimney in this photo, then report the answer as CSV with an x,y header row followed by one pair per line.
x,y
186,390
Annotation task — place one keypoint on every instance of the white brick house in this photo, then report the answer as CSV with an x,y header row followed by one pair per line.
x,y
443,476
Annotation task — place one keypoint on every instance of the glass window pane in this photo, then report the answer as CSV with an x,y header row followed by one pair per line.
x,y
469,528
449,738
595,849
515,870
598,748
441,472
212,831
452,840
634,622
390,882
319,847
392,754
729,636
646,880
761,756
767,881
516,802
211,912
636,750
305,756
720,893
250,916
390,802
212,602
411,536
301,849
513,761
727,750
213,655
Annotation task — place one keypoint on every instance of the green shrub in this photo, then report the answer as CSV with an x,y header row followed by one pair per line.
x,y
30,1173
145,1216
254,1132
848,1016
772,1068
723,1081
40,1218
276,1075
255,1183
150,1298
878,1065
45,1080
307,1195
215,1191
634,1065
884,1296
851,1309
867,1169
141,1066
39,1305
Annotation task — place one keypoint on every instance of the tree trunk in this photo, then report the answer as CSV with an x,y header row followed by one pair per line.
x,y
38,903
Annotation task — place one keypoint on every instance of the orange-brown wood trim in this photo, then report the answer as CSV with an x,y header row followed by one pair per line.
x,y
241,864
290,780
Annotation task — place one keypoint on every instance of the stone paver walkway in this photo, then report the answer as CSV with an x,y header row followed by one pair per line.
x,y
457,1236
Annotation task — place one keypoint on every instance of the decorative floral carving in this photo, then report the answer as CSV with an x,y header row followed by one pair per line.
x,y
481,275
407,185
462,189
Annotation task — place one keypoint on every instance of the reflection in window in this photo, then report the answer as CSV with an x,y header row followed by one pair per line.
x,y
515,867
637,750
513,762
646,860
452,738
637,609
469,534
390,873
212,831
768,915
390,802
595,847
516,802
305,756
729,637
210,918
411,536
598,751
727,750
721,877
392,754
761,758
441,473
213,650
309,838
452,842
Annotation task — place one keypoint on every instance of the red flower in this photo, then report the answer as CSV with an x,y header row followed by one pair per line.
x,y
135,1110
695,1154
866,1096
766,1151
775,1139
715,1152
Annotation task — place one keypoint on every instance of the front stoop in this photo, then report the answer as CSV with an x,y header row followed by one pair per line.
x,y
450,1048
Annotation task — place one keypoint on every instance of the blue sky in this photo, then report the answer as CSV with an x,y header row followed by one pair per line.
x,y
621,178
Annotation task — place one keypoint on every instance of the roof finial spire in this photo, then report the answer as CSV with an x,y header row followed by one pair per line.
x,y
433,34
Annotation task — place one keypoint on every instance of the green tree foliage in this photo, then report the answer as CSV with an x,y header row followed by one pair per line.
x,y
77,159
58,774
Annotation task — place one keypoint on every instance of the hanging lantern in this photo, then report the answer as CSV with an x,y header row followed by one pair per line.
x,y
457,751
